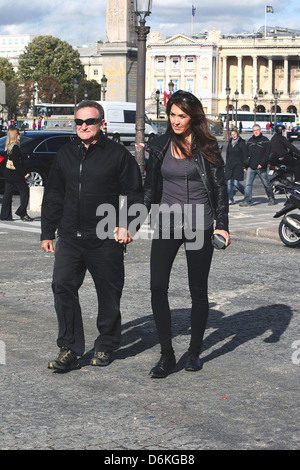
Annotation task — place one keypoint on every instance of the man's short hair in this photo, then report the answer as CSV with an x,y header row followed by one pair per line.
x,y
91,104
256,125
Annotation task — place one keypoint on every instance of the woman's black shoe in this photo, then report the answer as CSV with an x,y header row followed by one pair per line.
x,y
26,218
193,363
164,366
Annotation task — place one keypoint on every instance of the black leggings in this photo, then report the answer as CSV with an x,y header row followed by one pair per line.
x,y
163,253
6,210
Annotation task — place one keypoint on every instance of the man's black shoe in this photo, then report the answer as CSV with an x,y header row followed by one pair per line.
x,y
101,359
164,366
65,362
193,363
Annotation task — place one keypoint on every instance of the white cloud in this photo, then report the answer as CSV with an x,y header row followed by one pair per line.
x,y
84,22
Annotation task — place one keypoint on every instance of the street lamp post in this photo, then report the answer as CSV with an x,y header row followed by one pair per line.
x,y
228,90
142,8
171,86
255,108
276,94
103,86
75,85
33,98
271,104
157,103
236,93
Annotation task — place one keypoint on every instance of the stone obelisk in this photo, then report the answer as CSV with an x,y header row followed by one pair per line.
x,y
119,51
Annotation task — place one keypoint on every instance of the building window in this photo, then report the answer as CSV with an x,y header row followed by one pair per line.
x,y
96,72
176,84
190,85
160,85
175,63
190,63
160,64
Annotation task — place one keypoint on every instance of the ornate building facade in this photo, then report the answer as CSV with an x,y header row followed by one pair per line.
x,y
254,65
205,64
190,63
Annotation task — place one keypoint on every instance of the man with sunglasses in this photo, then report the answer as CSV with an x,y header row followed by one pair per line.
x,y
88,175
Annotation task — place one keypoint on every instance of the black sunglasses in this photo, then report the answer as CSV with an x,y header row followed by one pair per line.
x,y
88,122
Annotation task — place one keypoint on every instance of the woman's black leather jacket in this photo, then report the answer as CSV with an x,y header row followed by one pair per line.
x,y
211,175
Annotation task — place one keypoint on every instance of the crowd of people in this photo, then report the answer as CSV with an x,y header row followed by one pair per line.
x,y
185,172
246,160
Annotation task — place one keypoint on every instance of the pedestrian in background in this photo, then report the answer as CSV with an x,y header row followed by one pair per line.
x,y
15,177
258,148
89,172
284,152
185,167
236,160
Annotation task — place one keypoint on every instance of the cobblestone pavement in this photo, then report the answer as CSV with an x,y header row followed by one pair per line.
x,y
245,397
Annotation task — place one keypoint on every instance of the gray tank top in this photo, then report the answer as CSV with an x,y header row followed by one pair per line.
x,y
182,185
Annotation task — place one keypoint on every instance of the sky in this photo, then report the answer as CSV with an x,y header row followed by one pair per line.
x,y
80,23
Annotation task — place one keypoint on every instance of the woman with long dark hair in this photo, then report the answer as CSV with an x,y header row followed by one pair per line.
x,y
185,171
15,177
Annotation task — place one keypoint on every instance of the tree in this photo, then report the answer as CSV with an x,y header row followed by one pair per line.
x,y
90,89
47,56
8,76
6,70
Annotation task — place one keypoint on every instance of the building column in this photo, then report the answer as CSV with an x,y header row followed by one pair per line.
x,y
240,74
254,79
270,76
224,76
182,71
167,72
286,76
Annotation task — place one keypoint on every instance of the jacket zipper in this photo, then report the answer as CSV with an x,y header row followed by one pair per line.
x,y
82,158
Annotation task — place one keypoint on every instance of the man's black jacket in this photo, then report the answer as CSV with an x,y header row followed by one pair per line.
x,y
280,146
80,181
258,151
212,177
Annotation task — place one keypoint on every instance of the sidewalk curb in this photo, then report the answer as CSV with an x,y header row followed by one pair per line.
x,y
256,233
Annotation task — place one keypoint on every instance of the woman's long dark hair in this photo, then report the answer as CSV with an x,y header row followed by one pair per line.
x,y
191,106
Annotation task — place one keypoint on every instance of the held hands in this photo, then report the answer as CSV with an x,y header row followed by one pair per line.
x,y
122,235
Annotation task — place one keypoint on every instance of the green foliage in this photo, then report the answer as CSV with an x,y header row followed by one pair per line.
x,y
8,76
47,56
88,89
6,70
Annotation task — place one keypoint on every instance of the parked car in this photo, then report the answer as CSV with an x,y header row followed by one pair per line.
x,y
38,150
293,134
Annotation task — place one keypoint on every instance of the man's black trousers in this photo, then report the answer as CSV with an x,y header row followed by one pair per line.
x,y
104,260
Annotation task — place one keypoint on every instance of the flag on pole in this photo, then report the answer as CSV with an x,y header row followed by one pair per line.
x,y
269,9
193,10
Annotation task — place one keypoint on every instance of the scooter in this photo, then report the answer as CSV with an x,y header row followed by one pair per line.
x,y
289,227
281,175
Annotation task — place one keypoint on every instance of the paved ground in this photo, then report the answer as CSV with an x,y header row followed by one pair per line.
x,y
245,397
